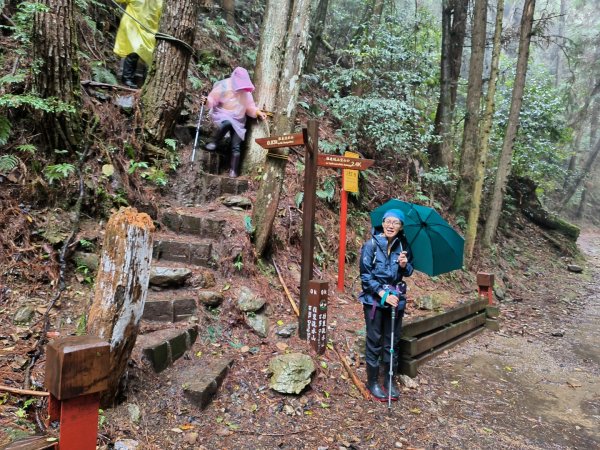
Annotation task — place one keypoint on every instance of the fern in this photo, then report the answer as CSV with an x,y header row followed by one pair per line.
x,y
58,171
8,163
102,75
27,148
4,130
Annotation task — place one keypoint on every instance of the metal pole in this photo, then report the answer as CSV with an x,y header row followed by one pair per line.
x,y
391,371
197,131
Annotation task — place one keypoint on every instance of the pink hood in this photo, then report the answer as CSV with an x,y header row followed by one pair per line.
x,y
241,80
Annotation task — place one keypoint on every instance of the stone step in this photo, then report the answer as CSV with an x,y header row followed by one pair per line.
x,y
170,247
208,186
202,381
195,221
161,348
170,306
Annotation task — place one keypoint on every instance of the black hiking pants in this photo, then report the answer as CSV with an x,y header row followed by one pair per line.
x,y
379,335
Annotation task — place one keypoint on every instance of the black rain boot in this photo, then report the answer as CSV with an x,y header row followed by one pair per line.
x,y
235,163
373,384
218,135
392,388
129,67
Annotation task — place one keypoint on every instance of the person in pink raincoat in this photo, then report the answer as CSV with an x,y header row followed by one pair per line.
x,y
229,102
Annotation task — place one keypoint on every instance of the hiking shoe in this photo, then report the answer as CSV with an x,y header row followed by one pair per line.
x,y
211,146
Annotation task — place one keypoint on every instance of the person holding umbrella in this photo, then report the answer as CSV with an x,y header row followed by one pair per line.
x,y
385,260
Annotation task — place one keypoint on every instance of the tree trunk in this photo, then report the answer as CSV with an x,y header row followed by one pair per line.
x,y
267,198
468,157
121,288
486,129
163,94
585,170
57,76
266,77
504,165
316,34
229,11
559,43
454,24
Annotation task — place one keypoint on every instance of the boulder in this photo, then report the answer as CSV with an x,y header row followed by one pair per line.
x,y
23,315
237,201
574,268
259,323
210,298
287,331
248,302
166,276
291,373
89,260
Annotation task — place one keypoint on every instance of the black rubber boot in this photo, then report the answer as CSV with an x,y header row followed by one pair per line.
x,y
235,164
373,384
393,387
129,67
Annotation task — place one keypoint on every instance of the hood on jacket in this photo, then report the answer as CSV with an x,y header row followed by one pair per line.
x,y
240,80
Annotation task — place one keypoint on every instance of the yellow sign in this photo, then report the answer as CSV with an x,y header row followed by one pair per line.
x,y
351,176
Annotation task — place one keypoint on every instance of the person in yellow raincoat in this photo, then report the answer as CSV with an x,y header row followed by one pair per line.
x,y
136,35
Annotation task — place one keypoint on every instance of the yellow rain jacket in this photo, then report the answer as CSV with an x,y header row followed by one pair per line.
x,y
134,38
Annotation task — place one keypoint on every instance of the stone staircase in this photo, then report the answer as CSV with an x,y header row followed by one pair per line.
x,y
186,249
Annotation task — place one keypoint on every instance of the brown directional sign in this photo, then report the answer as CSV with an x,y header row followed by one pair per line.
x,y
288,140
343,162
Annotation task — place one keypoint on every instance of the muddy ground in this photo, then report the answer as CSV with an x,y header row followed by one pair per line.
x,y
535,384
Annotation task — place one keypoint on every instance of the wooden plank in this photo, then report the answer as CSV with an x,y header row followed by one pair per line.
x,y
77,365
33,443
343,162
288,140
448,333
426,324
492,324
409,366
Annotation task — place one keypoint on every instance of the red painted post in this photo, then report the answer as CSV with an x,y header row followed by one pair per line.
x,y
77,371
485,286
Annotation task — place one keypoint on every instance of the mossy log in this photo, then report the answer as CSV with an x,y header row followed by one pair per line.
x,y
524,191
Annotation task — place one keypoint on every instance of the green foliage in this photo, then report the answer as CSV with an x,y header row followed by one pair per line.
x,y
21,413
27,148
328,191
540,148
101,74
86,245
50,105
8,163
23,20
238,264
171,144
58,172
4,130
81,324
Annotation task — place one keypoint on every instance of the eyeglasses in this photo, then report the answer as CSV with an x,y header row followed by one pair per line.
x,y
394,223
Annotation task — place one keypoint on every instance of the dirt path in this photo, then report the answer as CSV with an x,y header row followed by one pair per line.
x,y
535,386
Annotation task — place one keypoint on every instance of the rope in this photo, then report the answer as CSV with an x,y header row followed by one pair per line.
x,y
157,35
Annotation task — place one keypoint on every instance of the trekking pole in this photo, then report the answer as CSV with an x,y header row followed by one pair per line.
x,y
391,371
198,130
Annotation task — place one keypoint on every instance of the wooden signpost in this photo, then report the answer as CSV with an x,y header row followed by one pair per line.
x,y
312,159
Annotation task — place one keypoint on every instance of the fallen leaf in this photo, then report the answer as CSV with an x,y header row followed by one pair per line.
x,y
244,349
280,322
574,383
508,368
226,287
281,346
455,383
176,430
186,426
415,410
324,365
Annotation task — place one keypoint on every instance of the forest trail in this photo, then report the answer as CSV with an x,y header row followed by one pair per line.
x,y
536,385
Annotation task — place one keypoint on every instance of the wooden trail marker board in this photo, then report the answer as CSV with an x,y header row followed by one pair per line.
x,y
288,140
318,293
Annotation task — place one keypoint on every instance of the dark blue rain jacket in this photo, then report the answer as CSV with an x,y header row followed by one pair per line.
x,y
380,271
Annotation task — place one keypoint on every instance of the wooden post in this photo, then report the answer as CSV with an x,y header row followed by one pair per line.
x,y
311,141
77,371
121,288
485,285
318,293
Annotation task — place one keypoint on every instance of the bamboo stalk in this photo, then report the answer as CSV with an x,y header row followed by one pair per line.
x,y
289,296
23,391
359,384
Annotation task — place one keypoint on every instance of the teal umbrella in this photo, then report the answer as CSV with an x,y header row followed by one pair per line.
x,y
437,248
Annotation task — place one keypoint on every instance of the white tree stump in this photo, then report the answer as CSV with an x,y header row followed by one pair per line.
x,y
121,288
